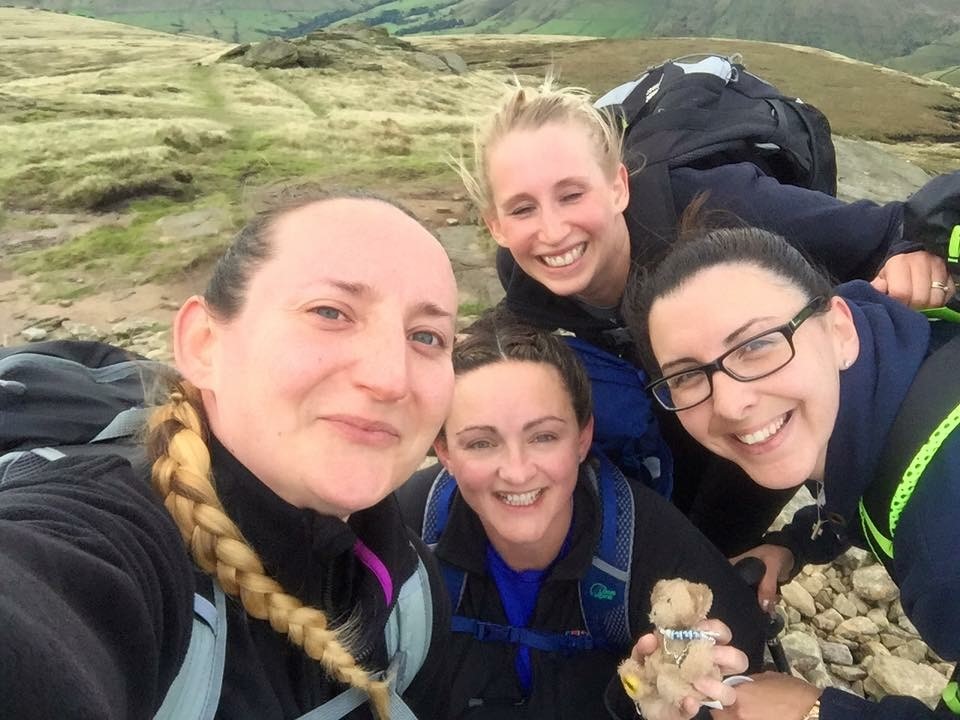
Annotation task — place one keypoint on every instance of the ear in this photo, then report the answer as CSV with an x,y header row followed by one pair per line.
x,y
584,439
846,342
496,230
702,598
443,454
193,340
621,188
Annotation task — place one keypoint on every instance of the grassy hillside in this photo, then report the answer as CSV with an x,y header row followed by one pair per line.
x,y
867,29
98,117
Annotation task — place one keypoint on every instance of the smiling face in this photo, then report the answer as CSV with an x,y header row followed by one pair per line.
x,y
513,443
335,376
776,428
559,212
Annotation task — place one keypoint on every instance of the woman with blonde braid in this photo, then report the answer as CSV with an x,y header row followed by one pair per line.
x,y
315,374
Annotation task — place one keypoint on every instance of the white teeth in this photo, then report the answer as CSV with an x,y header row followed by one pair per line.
x,y
520,499
763,433
568,258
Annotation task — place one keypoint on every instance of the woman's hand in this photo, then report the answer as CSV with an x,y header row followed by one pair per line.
x,y
770,695
728,660
779,562
917,279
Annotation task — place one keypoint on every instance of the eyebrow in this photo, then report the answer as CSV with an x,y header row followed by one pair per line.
x,y
358,289
728,341
526,426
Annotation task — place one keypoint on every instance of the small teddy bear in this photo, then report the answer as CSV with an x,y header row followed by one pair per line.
x,y
664,678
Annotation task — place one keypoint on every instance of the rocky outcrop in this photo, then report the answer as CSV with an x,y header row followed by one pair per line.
x,y
350,47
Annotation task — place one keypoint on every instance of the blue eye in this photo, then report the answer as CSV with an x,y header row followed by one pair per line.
x,y
427,337
330,313
544,437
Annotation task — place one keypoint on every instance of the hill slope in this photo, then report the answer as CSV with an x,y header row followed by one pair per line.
x,y
916,33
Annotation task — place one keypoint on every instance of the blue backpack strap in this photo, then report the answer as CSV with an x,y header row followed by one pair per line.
x,y
407,633
570,641
195,691
435,516
605,588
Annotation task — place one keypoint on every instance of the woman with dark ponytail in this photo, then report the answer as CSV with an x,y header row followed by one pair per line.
x,y
315,372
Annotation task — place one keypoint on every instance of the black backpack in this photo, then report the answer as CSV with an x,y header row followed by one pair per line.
x,y
706,110
703,111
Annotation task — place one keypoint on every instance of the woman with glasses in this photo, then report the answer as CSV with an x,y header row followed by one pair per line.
x,y
768,366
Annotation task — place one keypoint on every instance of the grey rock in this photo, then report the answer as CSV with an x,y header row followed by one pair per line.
x,y
914,650
34,334
873,583
454,62
430,62
836,653
803,651
797,597
272,53
856,627
898,676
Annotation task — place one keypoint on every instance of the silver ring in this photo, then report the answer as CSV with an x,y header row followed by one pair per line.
x,y
937,285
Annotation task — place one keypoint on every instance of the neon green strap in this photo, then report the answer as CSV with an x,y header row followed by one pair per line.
x,y
953,247
908,483
919,463
951,697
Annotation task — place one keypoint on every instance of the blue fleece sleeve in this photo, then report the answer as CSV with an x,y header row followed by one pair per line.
x,y
850,240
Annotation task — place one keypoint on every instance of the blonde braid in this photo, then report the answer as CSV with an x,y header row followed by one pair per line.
x,y
181,476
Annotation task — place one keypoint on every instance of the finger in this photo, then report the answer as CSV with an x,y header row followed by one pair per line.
x,y
767,591
879,283
730,660
922,292
646,645
716,690
723,634
896,272
689,707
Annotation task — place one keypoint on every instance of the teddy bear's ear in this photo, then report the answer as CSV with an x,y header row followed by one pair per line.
x,y
702,598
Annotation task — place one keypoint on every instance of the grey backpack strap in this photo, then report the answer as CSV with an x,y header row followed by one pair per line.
x,y
124,424
195,691
407,634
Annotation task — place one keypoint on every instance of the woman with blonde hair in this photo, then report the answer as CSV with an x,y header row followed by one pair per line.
x,y
570,217
315,372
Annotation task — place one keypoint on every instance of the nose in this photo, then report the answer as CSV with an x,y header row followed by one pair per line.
x,y
553,225
382,367
731,398
516,467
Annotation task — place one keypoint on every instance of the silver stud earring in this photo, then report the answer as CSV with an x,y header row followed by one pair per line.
x,y
846,365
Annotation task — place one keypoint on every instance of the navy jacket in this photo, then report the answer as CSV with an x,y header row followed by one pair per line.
x,y
894,341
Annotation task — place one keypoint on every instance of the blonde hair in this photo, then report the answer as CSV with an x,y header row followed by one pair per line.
x,y
177,446
530,108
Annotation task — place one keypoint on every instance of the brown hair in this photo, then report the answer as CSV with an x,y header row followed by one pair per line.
x,y
498,337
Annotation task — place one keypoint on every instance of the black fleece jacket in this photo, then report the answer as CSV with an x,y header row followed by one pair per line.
x,y
583,685
97,593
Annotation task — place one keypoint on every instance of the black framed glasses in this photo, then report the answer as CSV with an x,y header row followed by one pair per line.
x,y
754,358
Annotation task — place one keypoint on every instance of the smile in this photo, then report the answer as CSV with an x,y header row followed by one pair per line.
x,y
564,259
764,433
520,499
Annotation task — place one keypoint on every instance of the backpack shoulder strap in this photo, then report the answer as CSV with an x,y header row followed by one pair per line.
x,y
195,691
605,589
408,633
929,413
435,516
